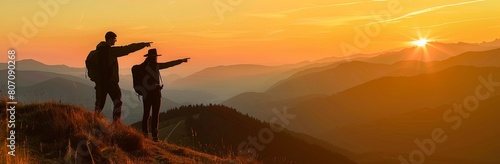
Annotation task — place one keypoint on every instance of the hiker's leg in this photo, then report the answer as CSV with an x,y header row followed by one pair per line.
x,y
146,102
156,114
116,95
100,95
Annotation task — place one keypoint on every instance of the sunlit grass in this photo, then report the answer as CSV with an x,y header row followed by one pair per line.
x,y
61,133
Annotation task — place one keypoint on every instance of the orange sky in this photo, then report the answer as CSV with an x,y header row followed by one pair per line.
x,y
250,31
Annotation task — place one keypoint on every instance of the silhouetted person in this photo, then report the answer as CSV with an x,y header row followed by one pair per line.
x,y
107,83
152,97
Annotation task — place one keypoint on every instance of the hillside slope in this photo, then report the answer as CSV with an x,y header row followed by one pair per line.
x,y
58,133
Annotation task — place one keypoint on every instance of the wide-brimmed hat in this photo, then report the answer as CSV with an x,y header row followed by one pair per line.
x,y
152,52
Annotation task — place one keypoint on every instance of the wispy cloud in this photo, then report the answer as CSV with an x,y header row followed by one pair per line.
x,y
138,27
455,22
284,13
274,32
267,15
330,21
319,6
217,34
169,22
79,25
426,11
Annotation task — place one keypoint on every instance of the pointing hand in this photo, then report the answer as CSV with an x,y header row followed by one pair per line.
x,y
147,44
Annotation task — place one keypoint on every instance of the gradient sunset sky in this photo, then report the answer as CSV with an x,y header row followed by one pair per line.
x,y
250,32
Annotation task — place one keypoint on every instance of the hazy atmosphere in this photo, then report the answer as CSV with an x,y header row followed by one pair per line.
x,y
247,32
240,81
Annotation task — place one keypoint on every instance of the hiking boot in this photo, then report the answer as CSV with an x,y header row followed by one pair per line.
x,y
97,113
116,118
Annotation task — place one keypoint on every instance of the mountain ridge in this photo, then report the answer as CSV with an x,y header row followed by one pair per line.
x,y
210,128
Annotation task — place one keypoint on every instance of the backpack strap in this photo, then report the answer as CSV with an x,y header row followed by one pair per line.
x,y
146,64
161,80
138,96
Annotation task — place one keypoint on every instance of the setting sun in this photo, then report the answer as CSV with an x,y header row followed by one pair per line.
x,y
421,42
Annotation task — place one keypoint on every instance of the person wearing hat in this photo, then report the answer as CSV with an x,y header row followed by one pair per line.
x,y
107,81
152,96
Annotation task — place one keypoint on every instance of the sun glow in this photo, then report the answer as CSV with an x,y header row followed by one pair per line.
x,y
421,42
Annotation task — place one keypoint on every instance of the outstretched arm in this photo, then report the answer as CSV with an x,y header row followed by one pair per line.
x,y
120,51
171,63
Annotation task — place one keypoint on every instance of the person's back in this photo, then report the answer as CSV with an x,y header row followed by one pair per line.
x,y
153,86
111,54
104,68
107,82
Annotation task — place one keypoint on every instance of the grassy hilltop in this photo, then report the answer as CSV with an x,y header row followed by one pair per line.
x,y
60,133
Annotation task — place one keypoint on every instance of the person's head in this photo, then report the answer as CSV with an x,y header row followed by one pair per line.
x,y
152,56
110,38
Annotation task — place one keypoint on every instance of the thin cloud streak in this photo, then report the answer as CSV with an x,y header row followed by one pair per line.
x,y
455,22
282,14
426,11
79,25
321,6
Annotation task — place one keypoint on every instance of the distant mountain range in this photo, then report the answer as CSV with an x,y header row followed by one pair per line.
x,y
210,85
333,80
433,51
36,86
29,78
33,65
474,141
381,117
227,81
389,96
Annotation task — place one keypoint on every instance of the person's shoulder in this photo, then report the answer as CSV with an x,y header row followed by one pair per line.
x,y
102,44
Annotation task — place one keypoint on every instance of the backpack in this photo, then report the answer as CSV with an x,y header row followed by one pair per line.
x,y
138,75
92,64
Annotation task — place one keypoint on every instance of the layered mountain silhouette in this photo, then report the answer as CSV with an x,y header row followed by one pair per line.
x,y
376,99
338,77
474,141
347,75
219,130
33,65
380,118
181,96
29,78
35,86
433,51
227,81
